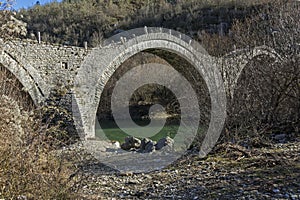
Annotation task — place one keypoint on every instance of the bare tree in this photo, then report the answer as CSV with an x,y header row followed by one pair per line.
x,y
267,97
10,26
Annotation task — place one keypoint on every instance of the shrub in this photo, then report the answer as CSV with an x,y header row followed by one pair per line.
x,y
29,166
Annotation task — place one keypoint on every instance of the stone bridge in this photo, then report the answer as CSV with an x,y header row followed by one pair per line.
x,y
42,67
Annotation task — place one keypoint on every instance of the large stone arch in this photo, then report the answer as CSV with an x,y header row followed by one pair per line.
x,y
96,71
26,76
235,62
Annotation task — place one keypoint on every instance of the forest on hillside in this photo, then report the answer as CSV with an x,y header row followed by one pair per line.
x,y
72,22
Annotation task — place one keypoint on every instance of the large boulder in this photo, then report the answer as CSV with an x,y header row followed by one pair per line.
x,y
166,143
144,142
147,146
131,143
150,147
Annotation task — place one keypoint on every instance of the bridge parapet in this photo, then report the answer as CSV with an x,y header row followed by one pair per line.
x,y
48,65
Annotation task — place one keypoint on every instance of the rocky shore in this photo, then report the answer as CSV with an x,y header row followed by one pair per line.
x,y
230,172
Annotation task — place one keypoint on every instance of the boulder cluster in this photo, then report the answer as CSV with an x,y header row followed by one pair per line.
x,y
147,145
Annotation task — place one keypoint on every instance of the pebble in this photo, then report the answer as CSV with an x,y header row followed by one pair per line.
x,y
276,190
294,196
132,181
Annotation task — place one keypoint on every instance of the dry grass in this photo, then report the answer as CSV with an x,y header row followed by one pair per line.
x,y
28,166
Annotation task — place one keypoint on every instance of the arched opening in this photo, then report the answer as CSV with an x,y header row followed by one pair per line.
x,y
146,96
100,65
11,87
266,98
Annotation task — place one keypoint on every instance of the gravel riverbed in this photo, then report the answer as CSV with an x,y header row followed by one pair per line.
x,y
230,172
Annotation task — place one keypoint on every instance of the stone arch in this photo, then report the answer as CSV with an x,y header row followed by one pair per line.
x,y
24,75
235,62
96,71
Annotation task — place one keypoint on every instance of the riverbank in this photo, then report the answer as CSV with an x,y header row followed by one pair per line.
x,y
230,172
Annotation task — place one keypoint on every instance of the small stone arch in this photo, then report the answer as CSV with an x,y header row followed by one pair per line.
x,y
24,75
235,62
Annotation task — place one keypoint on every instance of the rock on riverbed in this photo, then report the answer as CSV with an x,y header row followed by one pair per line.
x,y
146,145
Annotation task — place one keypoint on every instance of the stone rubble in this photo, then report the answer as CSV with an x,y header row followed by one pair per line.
x,y
146,145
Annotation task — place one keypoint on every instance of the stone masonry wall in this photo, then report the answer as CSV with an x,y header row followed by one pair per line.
x,y
56,64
